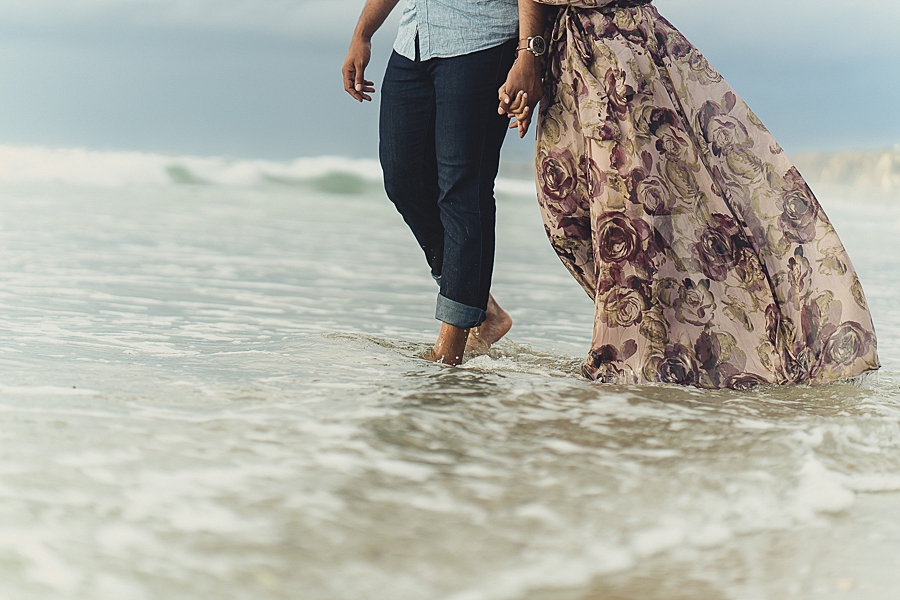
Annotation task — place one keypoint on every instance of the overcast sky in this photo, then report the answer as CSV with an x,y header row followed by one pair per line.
x,y
260,78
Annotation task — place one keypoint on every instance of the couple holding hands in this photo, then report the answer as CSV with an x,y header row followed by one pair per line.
x,y
709,259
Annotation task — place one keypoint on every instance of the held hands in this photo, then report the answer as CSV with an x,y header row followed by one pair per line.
x,y
354,70
517,110
521,92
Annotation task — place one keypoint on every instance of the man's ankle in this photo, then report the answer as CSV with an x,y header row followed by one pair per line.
x,y
450,345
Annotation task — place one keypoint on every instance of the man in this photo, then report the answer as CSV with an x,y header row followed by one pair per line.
x,y
441,134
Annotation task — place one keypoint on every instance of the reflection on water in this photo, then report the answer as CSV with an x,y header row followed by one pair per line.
x,y
211,392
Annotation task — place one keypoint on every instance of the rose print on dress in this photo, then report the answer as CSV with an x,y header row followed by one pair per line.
x,y
710,261
617,238
801,210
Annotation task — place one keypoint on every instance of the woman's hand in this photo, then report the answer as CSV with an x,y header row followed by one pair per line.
x,y
521,92
519,113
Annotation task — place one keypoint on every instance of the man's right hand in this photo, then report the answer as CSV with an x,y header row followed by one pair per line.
x,y
354,69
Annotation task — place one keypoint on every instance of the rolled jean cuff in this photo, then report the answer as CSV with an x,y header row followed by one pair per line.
x,y
460,315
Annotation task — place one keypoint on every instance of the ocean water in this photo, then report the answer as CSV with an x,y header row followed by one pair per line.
x,y
210,387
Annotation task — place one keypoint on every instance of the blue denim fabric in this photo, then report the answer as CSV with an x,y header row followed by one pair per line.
x,y
458,314
447,28
440,152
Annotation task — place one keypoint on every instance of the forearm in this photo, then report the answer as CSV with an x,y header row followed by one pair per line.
x,y
523,90
532,20
374,13
354,70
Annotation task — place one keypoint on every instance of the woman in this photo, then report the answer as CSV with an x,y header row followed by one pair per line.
x,y
710,261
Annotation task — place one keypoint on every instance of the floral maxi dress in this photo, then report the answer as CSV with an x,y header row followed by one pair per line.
x,y
709,259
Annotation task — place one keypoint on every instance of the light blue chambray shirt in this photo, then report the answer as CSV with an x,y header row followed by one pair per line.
x,y
455,27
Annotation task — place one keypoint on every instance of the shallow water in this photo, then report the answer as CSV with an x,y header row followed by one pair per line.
x,y
214,391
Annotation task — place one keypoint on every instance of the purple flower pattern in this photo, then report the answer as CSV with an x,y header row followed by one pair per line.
x,y
710,260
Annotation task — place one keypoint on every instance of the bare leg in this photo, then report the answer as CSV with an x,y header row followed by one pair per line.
x,y
450,345
495,326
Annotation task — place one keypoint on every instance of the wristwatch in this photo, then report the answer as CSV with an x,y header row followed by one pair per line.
x,y
536,45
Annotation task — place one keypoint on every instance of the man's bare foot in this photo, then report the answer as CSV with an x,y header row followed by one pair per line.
x,y
495,326
450,345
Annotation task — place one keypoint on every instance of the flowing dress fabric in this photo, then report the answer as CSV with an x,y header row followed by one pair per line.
x,y
709,259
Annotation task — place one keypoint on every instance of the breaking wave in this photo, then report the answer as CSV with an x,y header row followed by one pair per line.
x,y
113,169
869,174
872,174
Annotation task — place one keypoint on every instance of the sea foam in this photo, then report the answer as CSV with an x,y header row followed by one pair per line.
x,y
865,174
251,412
874,174
95,168
112,169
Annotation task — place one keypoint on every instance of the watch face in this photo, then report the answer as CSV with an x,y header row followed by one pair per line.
x,y
538,45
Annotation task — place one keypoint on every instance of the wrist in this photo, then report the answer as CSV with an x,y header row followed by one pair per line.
x,y
361,36
533,44
527,60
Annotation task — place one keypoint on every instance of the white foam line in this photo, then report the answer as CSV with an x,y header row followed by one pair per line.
x,y
45,390
515,187
78,166
109,169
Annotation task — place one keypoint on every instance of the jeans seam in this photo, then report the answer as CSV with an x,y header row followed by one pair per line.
x,y
499,73
420,64
484,139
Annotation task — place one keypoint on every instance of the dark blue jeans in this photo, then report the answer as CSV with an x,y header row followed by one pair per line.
x,y
440,151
